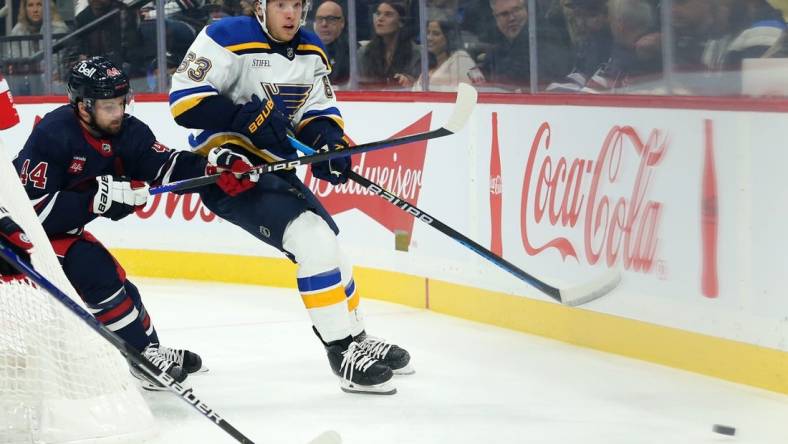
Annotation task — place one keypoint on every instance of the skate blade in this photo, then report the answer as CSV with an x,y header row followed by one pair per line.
x,y
202,369
407,370
380,389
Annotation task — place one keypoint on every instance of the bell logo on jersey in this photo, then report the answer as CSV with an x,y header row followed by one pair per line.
x,y
258,121
77,165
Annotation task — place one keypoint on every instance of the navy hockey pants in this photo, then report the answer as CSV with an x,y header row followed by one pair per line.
x,y
101,283
265,210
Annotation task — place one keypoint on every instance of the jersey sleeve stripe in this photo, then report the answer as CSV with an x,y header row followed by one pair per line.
x,y
209,139
44,213
181,106
314,49
181,93
337,119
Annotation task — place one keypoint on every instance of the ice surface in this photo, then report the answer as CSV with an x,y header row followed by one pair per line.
x,y
474,383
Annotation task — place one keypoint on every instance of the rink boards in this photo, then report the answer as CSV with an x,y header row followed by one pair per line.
x,y
685,198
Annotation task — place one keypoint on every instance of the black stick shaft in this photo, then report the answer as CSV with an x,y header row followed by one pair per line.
x,y
423,216
306,160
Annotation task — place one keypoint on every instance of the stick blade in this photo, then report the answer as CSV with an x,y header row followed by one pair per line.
x,y
463,107
327,437
584,293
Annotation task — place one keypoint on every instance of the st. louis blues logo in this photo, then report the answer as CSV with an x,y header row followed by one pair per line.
x,y
288,98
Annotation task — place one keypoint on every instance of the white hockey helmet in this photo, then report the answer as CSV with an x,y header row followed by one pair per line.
x,y
259,12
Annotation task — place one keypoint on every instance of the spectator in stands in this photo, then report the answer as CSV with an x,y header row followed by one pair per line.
x,y
117,38
390,58
765,26
25,77
444,10
330,28
152,78
508,63
449,63
627,70
29,23
591,41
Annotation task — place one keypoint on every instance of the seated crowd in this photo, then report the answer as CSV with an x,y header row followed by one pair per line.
x,y
581,46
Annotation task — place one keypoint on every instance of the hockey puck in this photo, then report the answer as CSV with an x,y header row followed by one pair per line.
x,y
723,429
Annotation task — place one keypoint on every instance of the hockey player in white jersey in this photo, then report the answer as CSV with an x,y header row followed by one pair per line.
x,y
246,81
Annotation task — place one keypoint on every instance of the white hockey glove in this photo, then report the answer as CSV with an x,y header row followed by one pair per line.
x,y
233,167
117,199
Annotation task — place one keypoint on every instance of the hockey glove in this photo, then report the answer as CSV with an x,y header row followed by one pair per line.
x,y
264,125
334,170
232,167
116,199
325,135
12,236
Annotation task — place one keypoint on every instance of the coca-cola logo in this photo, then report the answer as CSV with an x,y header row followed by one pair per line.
x,y
399,170
560,192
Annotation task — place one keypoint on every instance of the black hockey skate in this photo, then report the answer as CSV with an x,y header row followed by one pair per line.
x,y
391,355
190,361
153,354
358,373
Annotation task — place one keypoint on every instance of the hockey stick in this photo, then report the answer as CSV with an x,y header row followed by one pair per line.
x,y
185,393
463,107
572,296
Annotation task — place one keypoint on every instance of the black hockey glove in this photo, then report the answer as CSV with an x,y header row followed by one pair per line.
x,y
264,125
117,198
325,135
12,236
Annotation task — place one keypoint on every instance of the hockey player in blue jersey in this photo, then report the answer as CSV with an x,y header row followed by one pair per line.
x,y
90,159
244,82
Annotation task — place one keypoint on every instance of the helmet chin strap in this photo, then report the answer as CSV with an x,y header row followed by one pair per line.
x,y
267,32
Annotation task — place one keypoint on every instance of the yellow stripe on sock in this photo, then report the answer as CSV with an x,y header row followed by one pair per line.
x,y
352,302
324,298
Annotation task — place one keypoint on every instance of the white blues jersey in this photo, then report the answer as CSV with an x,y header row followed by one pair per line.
x,y
234,58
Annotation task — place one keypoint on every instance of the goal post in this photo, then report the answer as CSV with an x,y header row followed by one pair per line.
x,y
60,382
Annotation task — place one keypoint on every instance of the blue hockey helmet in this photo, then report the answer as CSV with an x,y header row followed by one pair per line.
x,y
96,78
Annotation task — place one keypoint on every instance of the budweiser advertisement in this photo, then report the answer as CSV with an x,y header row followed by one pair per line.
x,y
686,204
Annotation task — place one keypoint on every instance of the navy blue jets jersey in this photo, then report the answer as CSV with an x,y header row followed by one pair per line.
x,y
60,161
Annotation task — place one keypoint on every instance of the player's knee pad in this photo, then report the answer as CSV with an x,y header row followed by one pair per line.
x,y
313,244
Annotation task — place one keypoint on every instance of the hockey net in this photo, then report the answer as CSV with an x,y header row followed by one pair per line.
x,y
60,382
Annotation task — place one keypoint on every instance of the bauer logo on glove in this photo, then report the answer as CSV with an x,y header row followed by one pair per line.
x,y
117,198
268,106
